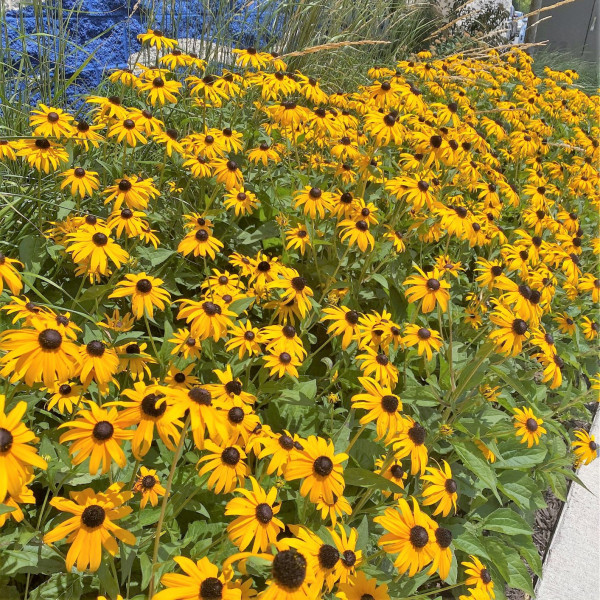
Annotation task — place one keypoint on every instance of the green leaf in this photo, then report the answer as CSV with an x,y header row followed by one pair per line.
x,y
505,520
368,479
521,489
514,455
6,509
526,548
471,544
473,460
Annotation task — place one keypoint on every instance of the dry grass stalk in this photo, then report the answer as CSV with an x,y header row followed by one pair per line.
x,y
547,8
332,47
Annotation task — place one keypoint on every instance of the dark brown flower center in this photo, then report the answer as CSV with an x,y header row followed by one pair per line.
x,y
323,466
100,239
202,235
285,358
423,334
450,486
328,556
50,339
298,283
397,471
235,415
233,387
362,225
264,513
286,442
200,395
443,537
103,430
433,284
382,359
65,389
289,331
417,434
211,309
93,516
349,558
96,348
6,440
148,482
519,327
289,569
390,403
531,425
211,589
419,536
179,377
144,286
486,578
150,408
231,456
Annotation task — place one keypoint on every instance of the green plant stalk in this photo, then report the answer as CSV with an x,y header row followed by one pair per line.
x,y
163,507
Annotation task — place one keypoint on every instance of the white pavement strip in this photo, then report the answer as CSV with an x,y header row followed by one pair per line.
x,y
572,566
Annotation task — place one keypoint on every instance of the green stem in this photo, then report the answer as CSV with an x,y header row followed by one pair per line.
x,y
163,508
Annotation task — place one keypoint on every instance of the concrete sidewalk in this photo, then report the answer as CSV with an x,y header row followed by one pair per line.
x,y
572,566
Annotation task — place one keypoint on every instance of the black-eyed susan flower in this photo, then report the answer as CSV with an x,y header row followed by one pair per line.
x,y
96,434
297,238
295,288
411,442
280,447
584,447
148,409
186,345
528,426
133,191
441,550
201,580
479,576
228,173
51,122
283,338
410,536
360,587
226,467
17,456
228,389
385,128
204,416
441,489
357,232
291,578
280,363
134,359
42,154
99,363
379,365
589,328
181,378
200,243
512,331
160,90
429,288
264,154
394,472
118,322
148,485
207,319
314,201
65,396
321,469
25,496
382,405
9,276
95,249
426,340
245,338
7,150
242,201
145,291
333,510
82,182
92,525
344,322
256,522
38,354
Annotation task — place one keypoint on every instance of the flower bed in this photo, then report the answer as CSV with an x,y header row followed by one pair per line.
x,y
284,343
